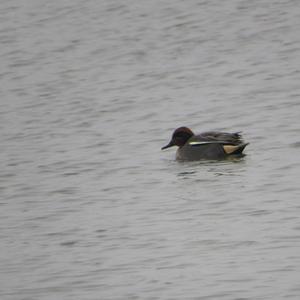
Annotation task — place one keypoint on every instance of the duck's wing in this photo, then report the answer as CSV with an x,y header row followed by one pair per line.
x,y
216,137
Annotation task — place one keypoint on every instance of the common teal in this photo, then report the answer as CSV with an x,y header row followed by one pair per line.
x,y
207,145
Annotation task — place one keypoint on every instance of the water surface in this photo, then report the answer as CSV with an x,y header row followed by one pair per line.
x,y
91,208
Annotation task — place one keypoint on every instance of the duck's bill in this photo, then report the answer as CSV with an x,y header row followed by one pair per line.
x,y
168,146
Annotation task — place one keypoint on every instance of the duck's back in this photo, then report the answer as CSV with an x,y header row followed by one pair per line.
x,y
218,136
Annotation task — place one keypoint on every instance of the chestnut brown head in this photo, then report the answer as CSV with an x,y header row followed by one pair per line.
x,y
180,136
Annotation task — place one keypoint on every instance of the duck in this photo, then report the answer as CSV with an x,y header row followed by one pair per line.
x,y
210,145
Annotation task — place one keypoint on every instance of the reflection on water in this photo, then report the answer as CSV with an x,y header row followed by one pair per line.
x,y
231,166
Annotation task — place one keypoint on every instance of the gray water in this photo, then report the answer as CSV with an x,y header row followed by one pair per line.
x,y
91,208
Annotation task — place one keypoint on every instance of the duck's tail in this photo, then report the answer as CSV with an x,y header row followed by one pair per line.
x,y
234,149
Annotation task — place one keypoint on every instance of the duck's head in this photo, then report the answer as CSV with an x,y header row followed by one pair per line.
x,y
179,137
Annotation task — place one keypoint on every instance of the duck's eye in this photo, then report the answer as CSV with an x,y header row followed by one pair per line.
x,y
182,135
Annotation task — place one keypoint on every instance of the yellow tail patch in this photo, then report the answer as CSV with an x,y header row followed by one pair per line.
x,y
230,148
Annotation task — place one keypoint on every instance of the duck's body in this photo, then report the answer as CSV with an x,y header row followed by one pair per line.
x,y
207,145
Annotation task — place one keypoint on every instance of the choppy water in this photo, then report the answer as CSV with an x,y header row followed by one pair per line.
x,y
90,206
